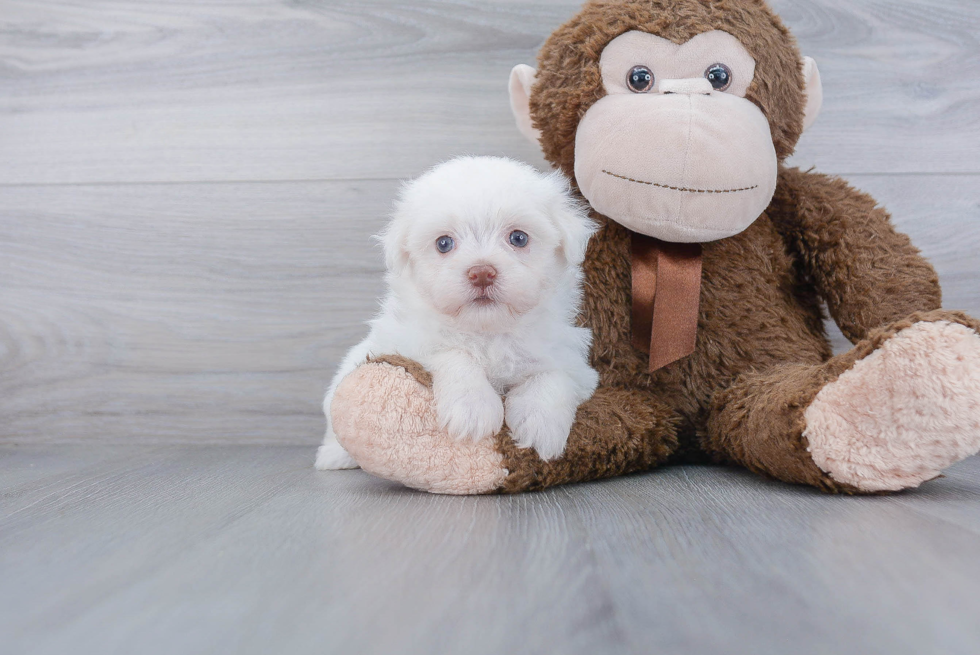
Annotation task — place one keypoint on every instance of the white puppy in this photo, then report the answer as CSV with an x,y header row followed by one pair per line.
x,y
484,262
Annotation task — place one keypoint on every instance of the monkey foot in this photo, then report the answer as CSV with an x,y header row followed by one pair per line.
x,y
384,416
903,413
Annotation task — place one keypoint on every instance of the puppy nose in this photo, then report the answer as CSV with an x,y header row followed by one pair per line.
x,y
482,276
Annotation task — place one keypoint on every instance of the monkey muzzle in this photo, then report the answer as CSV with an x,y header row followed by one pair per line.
x,y
680,167
685,165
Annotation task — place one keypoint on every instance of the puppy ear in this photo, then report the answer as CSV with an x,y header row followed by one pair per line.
x,y
392,239
571,217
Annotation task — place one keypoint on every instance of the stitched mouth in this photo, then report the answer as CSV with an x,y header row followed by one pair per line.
x,y
681,188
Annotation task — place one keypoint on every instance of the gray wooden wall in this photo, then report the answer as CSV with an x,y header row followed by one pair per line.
x,y
187,190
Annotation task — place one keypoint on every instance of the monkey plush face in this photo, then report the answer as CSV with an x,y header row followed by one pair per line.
x,y
678,127
674,150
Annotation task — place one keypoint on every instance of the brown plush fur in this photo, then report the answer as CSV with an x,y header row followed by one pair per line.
x,y
617,431
867,273
761,354
761,320
644,435
758,421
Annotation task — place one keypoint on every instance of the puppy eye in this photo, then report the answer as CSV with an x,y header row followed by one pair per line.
x,y
640,79
719,75
518,239
445,243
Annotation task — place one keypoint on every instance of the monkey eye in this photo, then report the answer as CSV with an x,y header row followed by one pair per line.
x,y
518,239
719,75
640,79
445,243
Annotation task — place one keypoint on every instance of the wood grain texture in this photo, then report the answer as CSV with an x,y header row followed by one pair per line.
x,y
202,549
215,313
202,313
111,91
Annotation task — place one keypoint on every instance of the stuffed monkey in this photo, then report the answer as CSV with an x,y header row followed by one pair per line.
x,y
704,287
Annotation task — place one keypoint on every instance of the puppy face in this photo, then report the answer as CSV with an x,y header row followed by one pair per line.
x,y
484,240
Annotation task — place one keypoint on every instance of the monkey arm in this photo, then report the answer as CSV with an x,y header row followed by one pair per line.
x,y
868,273
385,418
617,431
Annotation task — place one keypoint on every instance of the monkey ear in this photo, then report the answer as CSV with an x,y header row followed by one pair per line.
x,y
521,79
814,92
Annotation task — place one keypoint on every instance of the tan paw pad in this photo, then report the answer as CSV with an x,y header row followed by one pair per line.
x,y
386,420
901,415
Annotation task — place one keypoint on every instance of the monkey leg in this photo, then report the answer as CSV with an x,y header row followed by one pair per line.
x,y
890,414
384,416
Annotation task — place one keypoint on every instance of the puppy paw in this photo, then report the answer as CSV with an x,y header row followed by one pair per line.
x,y
539,425
471,411
331,456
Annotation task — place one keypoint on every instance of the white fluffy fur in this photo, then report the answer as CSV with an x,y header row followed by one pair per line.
x,y
520,338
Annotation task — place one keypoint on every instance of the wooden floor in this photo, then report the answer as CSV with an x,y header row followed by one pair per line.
x,y
187,195
246,549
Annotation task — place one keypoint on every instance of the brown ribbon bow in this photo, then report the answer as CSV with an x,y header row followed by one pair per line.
x,y
666,295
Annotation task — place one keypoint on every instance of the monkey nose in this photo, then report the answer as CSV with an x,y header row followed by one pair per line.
x,y
689,87
482,276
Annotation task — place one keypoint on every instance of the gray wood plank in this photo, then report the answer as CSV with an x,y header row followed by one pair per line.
x,y
258,91
129,92
738,565
200,549
216,313
894,99
29,475
250,550
211,312
956,500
